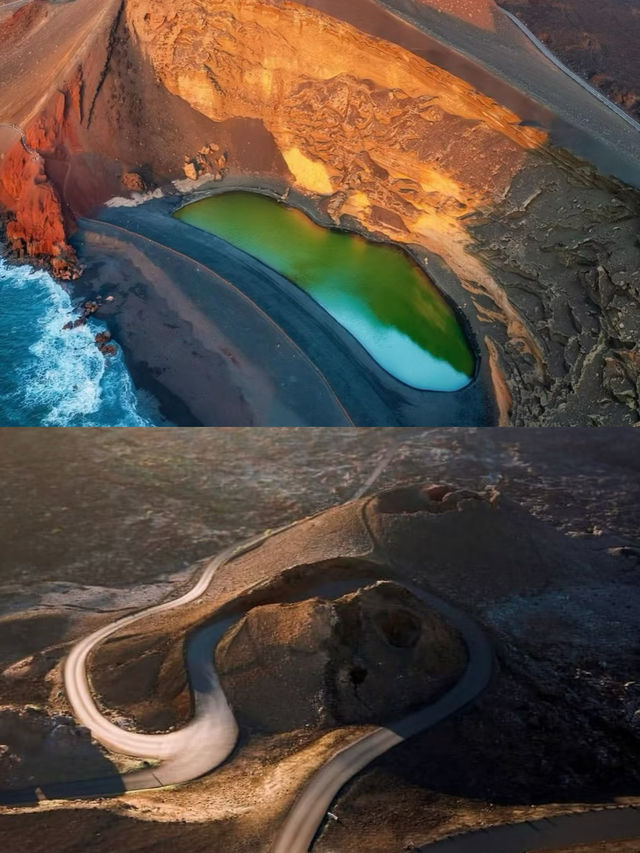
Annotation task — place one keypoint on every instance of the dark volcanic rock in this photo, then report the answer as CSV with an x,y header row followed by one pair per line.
x,y
38,745
564,247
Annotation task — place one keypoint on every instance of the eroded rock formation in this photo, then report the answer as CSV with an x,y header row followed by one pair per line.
x,y
35,226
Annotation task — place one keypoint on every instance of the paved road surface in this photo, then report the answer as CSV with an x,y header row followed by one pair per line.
x,y
557,62
202,744
583,123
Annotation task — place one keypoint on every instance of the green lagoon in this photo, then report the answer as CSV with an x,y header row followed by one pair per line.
x,y
373,290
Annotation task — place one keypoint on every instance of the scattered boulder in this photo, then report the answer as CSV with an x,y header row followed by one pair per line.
x,y
208,161
190,169
74,324
102,339
134,182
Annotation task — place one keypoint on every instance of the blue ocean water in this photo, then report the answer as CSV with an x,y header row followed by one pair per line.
x,y
51,377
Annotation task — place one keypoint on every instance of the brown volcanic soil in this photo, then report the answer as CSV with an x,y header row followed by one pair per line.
x,y
598,40
562,713
145,503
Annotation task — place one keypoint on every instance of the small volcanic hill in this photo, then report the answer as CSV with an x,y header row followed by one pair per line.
x,y
350,106
478,548
307,667
366,657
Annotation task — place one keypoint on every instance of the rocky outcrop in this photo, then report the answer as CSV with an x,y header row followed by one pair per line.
x,y
208,161
369,656
35,744
569,260
134,182
35,224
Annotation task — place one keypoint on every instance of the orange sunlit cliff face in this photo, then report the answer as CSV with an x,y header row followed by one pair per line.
x,y
43,102
404,147
386,137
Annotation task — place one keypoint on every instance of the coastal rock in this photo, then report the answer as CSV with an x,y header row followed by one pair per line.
x,y
74,324
102,340
36,224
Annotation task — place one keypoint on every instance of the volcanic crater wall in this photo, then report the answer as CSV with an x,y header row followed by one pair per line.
x,y
382,140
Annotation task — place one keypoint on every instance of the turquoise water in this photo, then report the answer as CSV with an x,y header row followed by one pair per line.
x,y
51,377
375,291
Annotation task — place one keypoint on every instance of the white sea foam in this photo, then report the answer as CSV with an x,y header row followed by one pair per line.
x,y
56,377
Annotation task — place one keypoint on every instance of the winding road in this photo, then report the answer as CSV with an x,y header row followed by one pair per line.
x,y
559,832
191,751
14,4
211,736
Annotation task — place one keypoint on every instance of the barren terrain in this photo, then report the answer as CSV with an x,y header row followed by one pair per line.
x,y
597,40
548,566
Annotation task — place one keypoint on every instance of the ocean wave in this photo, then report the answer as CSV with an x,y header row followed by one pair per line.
x,y
56,377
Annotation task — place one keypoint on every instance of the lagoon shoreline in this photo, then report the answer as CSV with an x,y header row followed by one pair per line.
x,y
348,386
